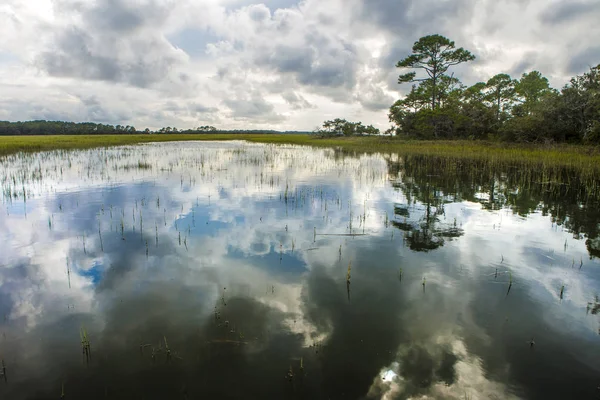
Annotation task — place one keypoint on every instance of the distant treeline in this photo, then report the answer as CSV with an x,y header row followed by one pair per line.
x,y
42,127
341,127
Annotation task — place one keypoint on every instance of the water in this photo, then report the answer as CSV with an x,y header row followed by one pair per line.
x,y
235,270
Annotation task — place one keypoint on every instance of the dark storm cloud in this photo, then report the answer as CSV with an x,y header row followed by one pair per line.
x,y
249,107
90,101
114,42
526,64
37,109
583,60
122,16
196,108
193,109
73,57
335,64
413,18
98,112
117,15
405,22
78,55
286,58
320,61
374,98
391,54
334,74
271,4
566,11
314,57
253,107
173,106
296,101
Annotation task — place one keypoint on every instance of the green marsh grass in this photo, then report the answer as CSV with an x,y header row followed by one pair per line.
x,y
348,272
85,344
582,157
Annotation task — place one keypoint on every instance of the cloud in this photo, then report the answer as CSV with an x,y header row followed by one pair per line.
x,y
253,107
524,65
565,11
374,98
296,100
585,59
141,62
113,41
415,18
121,16
202,109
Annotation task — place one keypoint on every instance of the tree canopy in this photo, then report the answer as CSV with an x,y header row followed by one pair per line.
x,y
527,109
341,127
434,54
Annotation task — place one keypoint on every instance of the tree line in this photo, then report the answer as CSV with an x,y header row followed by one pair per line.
x,y
527,109
42,127
341,127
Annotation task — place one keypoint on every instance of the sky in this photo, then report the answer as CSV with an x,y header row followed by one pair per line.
x,y
279,64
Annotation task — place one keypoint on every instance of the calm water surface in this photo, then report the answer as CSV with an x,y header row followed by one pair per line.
x,y
246,271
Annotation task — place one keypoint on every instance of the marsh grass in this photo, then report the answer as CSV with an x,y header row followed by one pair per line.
x,y
582,157
100,235
85,344
348,272
68,273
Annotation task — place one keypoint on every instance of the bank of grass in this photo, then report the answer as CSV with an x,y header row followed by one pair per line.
x,y
583,157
